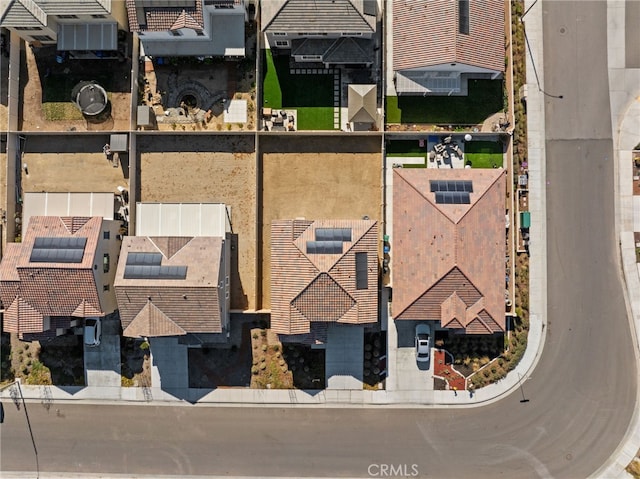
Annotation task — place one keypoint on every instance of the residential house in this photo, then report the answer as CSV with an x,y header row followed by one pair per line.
x,y
448,248
332,32
439,44
175,281
70,25
61,273
203,28
322,273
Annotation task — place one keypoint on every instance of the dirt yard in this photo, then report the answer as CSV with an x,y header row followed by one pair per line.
x,y
75,164
42,63
328,185
215,169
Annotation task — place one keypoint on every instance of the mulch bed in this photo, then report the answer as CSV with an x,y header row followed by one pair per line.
x,y
442,368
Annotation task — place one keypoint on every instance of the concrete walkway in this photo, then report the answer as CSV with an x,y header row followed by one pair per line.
x,y
624,91
344,357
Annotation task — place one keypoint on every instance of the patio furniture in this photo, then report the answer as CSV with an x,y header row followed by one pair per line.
x,y
445,154
278,121
432,156
266,112
447,140
439,148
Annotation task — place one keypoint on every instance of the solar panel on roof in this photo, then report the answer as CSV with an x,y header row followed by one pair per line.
x,y
451,185
47,255
453,198
60,242
58,249
138,271
333,234
362,272
324,247
144,259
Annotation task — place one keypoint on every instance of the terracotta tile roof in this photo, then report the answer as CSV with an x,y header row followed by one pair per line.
x,y
448,259
169,307
185,20
32,290
161,18
309,289
425,33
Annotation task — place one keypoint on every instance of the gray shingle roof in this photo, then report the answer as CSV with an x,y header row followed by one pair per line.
x,y
325,16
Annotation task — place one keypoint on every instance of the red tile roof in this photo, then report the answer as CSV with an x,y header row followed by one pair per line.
x,y
448,260
161,18
425,33
310,289
31,291
170,307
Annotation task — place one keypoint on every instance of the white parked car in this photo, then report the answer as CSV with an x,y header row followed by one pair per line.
x,y
423,342
92,331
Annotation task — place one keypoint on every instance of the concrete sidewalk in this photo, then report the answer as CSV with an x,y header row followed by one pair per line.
x,y
624,91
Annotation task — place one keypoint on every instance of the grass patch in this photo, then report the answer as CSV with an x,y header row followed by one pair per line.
x,y
310,95
55,111
405,148
483,154
484,99
315,118
271,91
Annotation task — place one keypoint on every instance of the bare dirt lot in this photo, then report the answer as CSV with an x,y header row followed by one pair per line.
x,y
342,180
213,169
70,164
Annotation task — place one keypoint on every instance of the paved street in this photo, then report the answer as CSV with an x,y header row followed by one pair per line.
x,y
580,396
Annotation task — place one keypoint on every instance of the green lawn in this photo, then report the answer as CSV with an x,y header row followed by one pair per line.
x,y
483,154
310,95
405,148
484,99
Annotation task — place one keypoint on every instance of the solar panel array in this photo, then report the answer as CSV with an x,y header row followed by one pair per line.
x,y
148,266
333,234
324,247
362,271
328,240
142,259
452,198
154,272
451,185
58,250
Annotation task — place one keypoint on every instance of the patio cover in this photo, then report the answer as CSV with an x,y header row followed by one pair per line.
x,y
88,36
183,219
67,204
420,83
363,103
